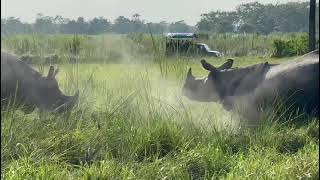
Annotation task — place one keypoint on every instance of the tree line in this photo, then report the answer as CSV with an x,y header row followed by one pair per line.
x,y
247,18
99,25
259,18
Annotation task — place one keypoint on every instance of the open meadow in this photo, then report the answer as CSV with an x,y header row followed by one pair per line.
x,y
132,122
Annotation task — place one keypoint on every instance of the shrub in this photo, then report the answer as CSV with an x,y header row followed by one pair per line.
x,y
296,46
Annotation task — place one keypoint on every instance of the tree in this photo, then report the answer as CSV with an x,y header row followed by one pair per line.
x,y
75,27
312,26
258,18
217,21
157,28
137,23
45,24
291,17
99,25
255,17
247,18
81,26
207,22
179,26
13,25
245,28
122,25
3,23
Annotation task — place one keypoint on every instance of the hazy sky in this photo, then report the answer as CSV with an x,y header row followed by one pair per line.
x,y
150,10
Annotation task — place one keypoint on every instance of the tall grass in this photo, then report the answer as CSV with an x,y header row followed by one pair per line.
x,y
119,48
132,122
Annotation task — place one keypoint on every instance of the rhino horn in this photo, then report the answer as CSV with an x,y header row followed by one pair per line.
x,y
56,72
189,75
52,73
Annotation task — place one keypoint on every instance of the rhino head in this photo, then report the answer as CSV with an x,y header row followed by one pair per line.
x,y
224,83
46,95
204,89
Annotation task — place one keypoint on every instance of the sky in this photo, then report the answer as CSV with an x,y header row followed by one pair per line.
x,y
150,10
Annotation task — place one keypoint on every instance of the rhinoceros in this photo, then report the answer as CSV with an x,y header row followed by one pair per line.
x,y
296,82
27,58
28,89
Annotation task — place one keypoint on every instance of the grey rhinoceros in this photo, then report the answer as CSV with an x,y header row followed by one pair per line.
x,y
296,82
24,86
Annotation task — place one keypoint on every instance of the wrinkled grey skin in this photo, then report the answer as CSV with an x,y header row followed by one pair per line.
x,y
222,82
252,86
27,58
31,90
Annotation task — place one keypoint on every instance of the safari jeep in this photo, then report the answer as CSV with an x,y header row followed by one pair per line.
x,y
186,44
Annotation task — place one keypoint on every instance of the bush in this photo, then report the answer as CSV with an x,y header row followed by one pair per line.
x,y
296,46
203,36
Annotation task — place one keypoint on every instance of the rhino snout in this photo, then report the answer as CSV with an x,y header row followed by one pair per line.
x,y
67,103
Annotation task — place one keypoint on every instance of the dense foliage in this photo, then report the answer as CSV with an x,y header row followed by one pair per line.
x,y
290,47
249,18
143,46
100,25
259,18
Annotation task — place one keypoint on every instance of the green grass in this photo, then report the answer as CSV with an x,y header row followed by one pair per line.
x,y
132,123
115,48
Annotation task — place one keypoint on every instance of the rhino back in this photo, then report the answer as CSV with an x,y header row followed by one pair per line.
x,y
13,69
241,81
291,67
15,73
301,74
296,82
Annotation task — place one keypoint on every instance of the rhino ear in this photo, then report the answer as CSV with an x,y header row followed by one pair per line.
x,y
208,66
56,72
189,75
50,72
226,65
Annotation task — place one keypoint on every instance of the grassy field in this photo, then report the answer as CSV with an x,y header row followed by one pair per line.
x,y
132,122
